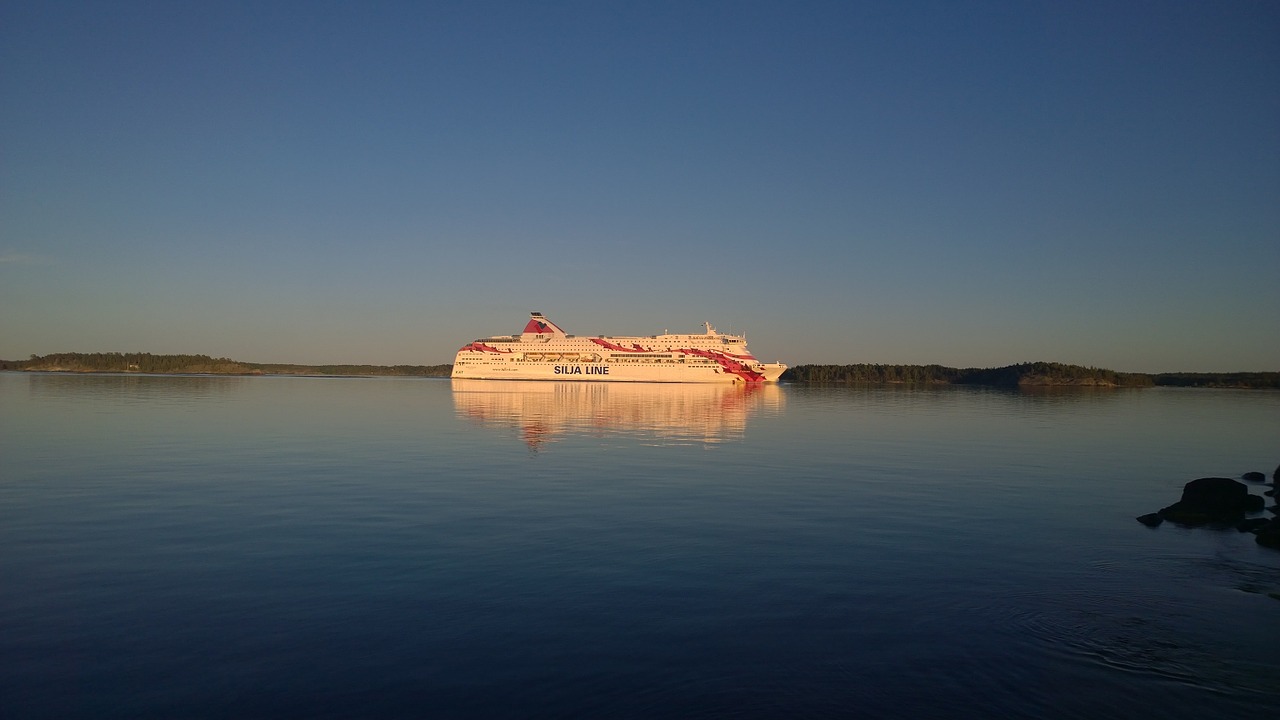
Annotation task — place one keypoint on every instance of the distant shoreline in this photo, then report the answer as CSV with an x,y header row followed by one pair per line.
x,y
1038,374
149,364
1035,374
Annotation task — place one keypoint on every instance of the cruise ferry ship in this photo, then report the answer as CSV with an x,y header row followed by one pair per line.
x,y
545,352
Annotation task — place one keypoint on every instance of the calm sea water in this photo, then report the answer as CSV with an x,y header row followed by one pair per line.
x,y
229,547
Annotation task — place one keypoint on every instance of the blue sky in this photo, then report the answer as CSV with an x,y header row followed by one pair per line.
x,y
971,184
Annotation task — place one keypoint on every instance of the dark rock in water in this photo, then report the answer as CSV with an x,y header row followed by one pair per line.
x,y
1214,494
1254,476
1183,516
1212,500
1269,536
1276,475
1253,525
1151,519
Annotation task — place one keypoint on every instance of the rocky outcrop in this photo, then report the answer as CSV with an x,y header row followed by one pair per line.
x,y
1254,476
1151,519
1212,500
1269,536
1220,502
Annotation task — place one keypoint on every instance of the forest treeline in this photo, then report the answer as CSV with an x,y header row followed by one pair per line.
x,y
1023,374
1220,380
203,364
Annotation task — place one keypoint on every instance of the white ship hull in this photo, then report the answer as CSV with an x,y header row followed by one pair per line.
x,y
545,352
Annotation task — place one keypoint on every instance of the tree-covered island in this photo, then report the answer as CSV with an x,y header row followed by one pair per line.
x,y
148,363
1033,374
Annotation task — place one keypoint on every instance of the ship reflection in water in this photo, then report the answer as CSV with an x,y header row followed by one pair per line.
x,y
673,413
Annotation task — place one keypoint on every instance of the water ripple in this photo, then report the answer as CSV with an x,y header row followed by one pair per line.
x,y
1136,636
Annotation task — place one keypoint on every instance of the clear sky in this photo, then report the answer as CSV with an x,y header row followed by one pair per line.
x,y
963,183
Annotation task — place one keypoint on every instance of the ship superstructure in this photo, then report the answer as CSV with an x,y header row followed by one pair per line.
x,y
545,352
